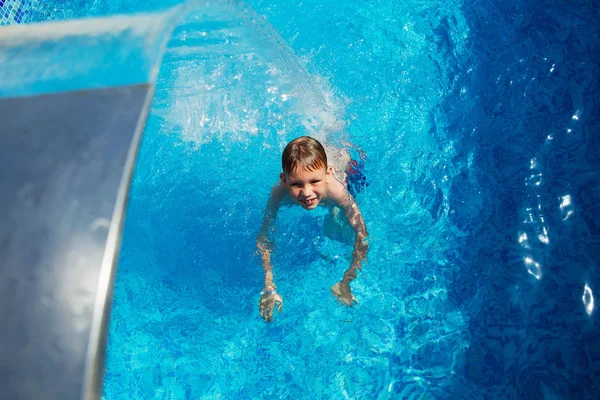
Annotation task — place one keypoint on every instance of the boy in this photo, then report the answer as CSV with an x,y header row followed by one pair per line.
x,y
307,180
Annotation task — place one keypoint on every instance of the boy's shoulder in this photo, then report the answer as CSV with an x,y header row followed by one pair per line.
x,y
278,189
279,193
337,192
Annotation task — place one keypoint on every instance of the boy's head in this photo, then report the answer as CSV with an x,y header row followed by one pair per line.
x,y
305,171
304,152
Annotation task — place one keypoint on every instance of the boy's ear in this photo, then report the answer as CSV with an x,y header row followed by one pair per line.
x,y
282,177
328,173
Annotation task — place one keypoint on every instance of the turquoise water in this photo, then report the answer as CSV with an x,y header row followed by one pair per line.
x,y
480,126
211,154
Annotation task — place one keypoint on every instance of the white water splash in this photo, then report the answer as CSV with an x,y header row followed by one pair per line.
x,y
228,75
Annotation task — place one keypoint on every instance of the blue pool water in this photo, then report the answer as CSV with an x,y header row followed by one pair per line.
x,y
480,123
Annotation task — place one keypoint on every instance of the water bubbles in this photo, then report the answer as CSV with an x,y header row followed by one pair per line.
x,y
533,267
523,238
566,207
588,299
532,163
534,235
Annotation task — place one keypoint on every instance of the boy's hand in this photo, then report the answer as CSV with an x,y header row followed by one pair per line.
x,y
267,304
342,291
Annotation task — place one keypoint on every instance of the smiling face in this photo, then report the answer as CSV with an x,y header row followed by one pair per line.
x,y
308,188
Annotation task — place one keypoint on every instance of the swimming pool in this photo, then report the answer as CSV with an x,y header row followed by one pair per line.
x,y
480,122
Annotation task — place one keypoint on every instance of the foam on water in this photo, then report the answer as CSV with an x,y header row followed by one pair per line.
x,y
228,75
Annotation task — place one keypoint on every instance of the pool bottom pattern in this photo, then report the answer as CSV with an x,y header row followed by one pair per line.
x,y
15,11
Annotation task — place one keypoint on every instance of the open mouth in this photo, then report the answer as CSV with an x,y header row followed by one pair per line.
x,y
309,202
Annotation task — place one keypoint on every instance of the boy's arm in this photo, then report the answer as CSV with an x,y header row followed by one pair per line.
x,y
356,221
269,299
361,247
347,203
264,242
342,289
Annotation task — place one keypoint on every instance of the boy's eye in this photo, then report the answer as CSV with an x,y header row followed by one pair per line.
x,y
296,185
315,181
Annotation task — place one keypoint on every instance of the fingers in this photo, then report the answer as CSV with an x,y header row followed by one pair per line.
x,y
278,300
266,313
347,302
267,304
350,302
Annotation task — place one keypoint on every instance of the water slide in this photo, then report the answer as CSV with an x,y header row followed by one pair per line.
x,y
74,97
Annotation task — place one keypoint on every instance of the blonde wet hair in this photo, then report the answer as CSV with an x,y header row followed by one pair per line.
x,y
305,152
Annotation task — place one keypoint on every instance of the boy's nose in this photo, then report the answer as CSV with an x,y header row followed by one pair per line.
x,y
306,191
